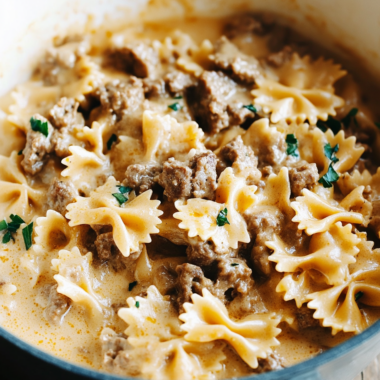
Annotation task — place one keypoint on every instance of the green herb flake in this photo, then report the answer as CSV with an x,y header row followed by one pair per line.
x,y
350,116
234,264
16,219
331,123
330,152
7,237
3,225
250,107
137,304
292,142
175,106
221,219
330,177
20,152
39,126
132,285
178,97
27,234
377,124
111,140
120,198
124,189
358,295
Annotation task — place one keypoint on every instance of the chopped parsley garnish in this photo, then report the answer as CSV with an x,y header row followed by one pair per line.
x,y
178,97
10,227
175,106
377,124
111,140
221,219
234,264
20,152
137,304
250,107
331,123
27,234
39,126
292,142
132,285
3,225
350,116
120,198
124,189
330,152
330,177
358,295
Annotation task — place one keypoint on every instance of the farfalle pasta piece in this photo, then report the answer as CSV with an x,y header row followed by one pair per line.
x,y
154,333
338,308
74,280
132,222
330,253
13,139
94,137
315,214
164,137
347,153
206,320
85,169
16,196
199,216
348,182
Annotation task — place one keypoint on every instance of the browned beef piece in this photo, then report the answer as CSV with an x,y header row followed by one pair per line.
x,y
196,177
208,100
243,24
35,151
234,274
190,280
153,87
136,58
201,253
272,363
60,194
104,244
302,175
305,318
239,114
279,58
204,175
229,59
261,227
58,305
141,177
374,223
64,113
176,179
241,158
177,82
120,97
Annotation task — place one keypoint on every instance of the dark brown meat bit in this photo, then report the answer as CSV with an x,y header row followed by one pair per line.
x,y
141,177
204,175
272,363
36,148
196,177
153,87
176,179
281,57
241,158
104,244
302,175
177,82
239,114
136,58
229,59
374,223
201,253
121,97
242,25
64,113
305,318
58,305
60,194
261,227
208,100
190,280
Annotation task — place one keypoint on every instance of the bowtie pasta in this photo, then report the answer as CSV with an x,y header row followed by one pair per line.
x,y
198,205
